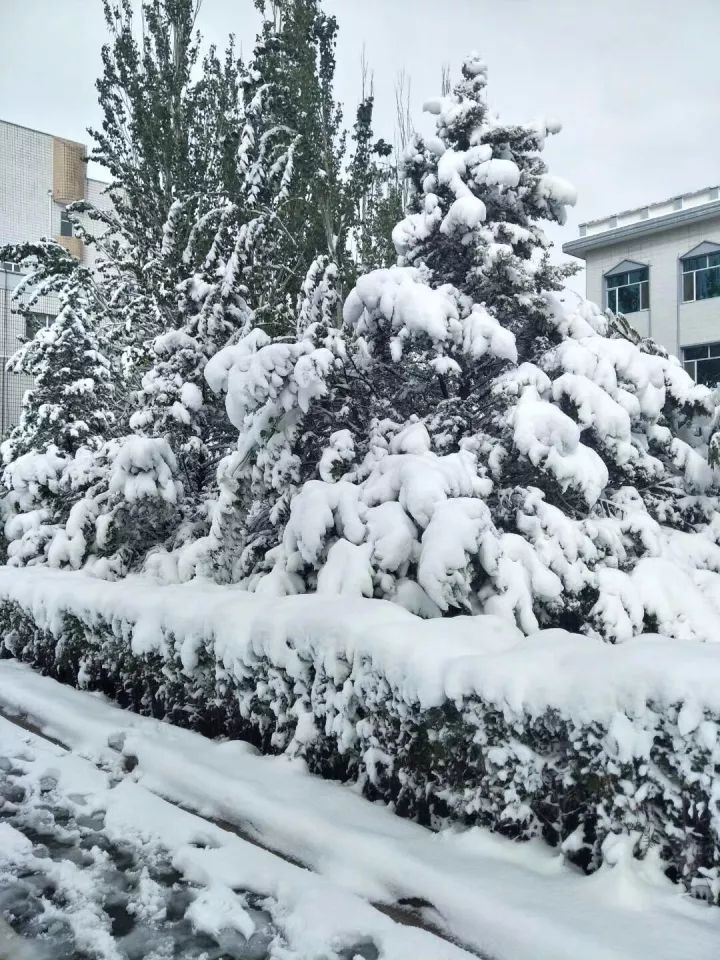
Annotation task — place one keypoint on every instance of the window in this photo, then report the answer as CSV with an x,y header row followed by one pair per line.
x,y
35,321
9,267
703,363
701,277
629,291
66,229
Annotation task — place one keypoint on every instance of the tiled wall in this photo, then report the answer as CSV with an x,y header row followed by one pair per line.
x,y
25,181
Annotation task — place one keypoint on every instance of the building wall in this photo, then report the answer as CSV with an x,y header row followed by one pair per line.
x,y
669,321
39,175
26,172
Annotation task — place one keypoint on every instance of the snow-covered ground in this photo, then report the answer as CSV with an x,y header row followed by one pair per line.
x,y
81,849
492,897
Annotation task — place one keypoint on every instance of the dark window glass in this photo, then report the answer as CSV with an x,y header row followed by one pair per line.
x,y
629,298
694,263
628,292
703,363
65,225
714,260
708,372
695,353
707,283
688,286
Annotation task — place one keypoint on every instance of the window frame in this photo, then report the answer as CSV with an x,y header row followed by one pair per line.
x,y
66,224
612,294
693,272
699,353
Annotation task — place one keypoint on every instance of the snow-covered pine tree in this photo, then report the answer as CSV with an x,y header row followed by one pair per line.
x,y
69,408
245,234
475,438
70,402
270,384
234,253
76,492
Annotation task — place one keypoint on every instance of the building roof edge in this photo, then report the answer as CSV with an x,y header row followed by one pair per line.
x,y
581,246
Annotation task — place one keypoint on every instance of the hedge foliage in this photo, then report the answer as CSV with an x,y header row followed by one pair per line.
x,y
575,784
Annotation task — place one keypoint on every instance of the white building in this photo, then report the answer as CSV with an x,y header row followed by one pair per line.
x,y
39,176
660,266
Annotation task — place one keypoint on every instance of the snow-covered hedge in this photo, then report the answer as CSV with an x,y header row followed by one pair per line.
x,y
461,719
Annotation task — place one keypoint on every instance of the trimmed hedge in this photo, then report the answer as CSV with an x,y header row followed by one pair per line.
x,y
653,774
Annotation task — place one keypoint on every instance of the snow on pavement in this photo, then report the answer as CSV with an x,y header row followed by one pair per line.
x,y
299,915
507,900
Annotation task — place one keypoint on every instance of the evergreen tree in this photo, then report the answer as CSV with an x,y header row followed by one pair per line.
x,y
68,412
70,402
291,191
472,439
208,209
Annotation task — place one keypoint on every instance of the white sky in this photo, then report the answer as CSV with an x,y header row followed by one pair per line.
x,y
635,82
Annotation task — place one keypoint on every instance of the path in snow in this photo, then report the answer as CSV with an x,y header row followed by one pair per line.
x,y
70,889
511,901
92,865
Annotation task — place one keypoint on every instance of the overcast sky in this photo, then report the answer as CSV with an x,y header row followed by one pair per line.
x,y
635,82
